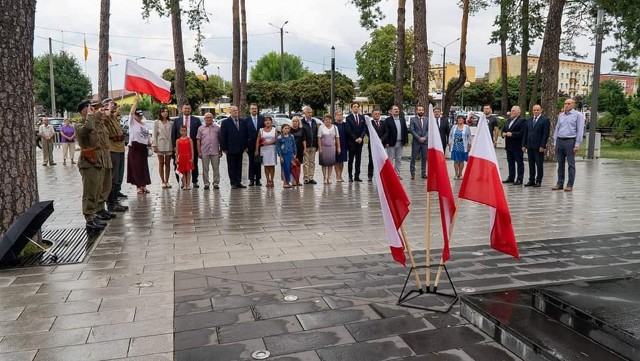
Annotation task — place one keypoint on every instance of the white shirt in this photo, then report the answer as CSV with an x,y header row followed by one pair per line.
x,y
138,132
46,131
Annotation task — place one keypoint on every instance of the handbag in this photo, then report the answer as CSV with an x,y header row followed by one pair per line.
x,y
258,159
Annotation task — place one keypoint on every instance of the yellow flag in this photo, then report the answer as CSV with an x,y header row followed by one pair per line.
x,y
86,50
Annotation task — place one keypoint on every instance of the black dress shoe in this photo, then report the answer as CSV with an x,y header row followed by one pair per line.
x,y
517,183
357,179
508,180
251,184
537,185
101,217
350,180
216,187
529,184
258,184
206,187
93,226
242,185
122,195
306,181
234,187
369,179
107,214
311,181
117,207
99,223
195,185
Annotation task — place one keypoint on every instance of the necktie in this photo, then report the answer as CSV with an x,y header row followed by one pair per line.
x,y
357,119
255,123
535,119
421,123
438,123
237,123
186,122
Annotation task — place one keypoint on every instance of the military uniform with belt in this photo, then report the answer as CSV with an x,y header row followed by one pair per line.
x,y
105,185
90,165
116,148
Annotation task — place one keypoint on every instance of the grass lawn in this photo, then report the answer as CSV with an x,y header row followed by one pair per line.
x,y
608,150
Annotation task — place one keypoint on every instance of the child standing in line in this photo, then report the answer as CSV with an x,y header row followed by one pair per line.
x,y
184,155
286,149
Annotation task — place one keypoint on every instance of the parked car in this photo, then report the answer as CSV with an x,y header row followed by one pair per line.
x,y
279,121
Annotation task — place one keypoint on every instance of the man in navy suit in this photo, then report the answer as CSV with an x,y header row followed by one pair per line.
x,y
383,132
192,123
254,123
534,142
356,129
398,137
512,133
234,137
418,126
443,127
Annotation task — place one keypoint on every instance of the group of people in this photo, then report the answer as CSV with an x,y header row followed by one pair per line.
x,y
531,136
101,161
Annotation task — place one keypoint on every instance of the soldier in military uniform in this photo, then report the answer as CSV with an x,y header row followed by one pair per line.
x,y
90,164
102,118
116,150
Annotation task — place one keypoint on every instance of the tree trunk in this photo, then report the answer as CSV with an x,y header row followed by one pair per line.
x,y
524,58
536,83
243,71
504,26
235,62
103,50
459,83
400,56
178,54
17,159
420,52
550,66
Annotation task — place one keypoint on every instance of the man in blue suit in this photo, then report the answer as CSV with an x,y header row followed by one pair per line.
x,y
234,137
418,126
254,122
534,142
192,123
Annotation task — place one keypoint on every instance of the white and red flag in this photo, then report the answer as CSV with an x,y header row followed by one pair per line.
x,y
481,183
438,181
393,199
145,81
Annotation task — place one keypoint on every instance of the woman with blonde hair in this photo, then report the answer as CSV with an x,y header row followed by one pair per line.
x,y
329,147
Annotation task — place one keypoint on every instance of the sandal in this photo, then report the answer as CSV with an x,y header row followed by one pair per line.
x,y
140,191
145,190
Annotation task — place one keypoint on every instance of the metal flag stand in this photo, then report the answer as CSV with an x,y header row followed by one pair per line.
x,y
407,295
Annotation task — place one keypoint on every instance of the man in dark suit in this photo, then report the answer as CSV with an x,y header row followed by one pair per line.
x,y
512,132
534,142
418,127
398,137
356,129
444,127
254,123
382,130
311,136
234,137
192,123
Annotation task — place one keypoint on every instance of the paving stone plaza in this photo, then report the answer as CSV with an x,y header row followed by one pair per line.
x,y
201,274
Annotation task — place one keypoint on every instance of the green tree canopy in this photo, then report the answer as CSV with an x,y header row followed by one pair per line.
x,y
268,68
313,90
345,90
376,59
381,94
267,93
612,98
198,90
71,85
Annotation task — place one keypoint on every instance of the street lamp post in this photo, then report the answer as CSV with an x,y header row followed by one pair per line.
x,y
333,81
593,118
140,58
466,85
281,54
444,67
111,78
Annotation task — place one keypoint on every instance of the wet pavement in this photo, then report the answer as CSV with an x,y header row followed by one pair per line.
x,y
203,273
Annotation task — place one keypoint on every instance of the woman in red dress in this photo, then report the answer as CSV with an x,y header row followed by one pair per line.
x,y
184,154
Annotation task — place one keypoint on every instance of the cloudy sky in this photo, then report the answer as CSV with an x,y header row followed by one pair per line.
x,y
314,26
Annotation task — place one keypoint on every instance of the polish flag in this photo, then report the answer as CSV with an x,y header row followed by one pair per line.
x,y
393,200
438,180
144,81
481,183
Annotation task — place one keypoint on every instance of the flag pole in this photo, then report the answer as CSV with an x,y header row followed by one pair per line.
x,y
453,224
413,263
427,276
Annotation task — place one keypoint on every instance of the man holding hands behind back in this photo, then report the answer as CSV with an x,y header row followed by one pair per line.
x,y
534,142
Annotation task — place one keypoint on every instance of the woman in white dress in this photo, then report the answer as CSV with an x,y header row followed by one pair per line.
x,y
162,145
266,148
329,141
